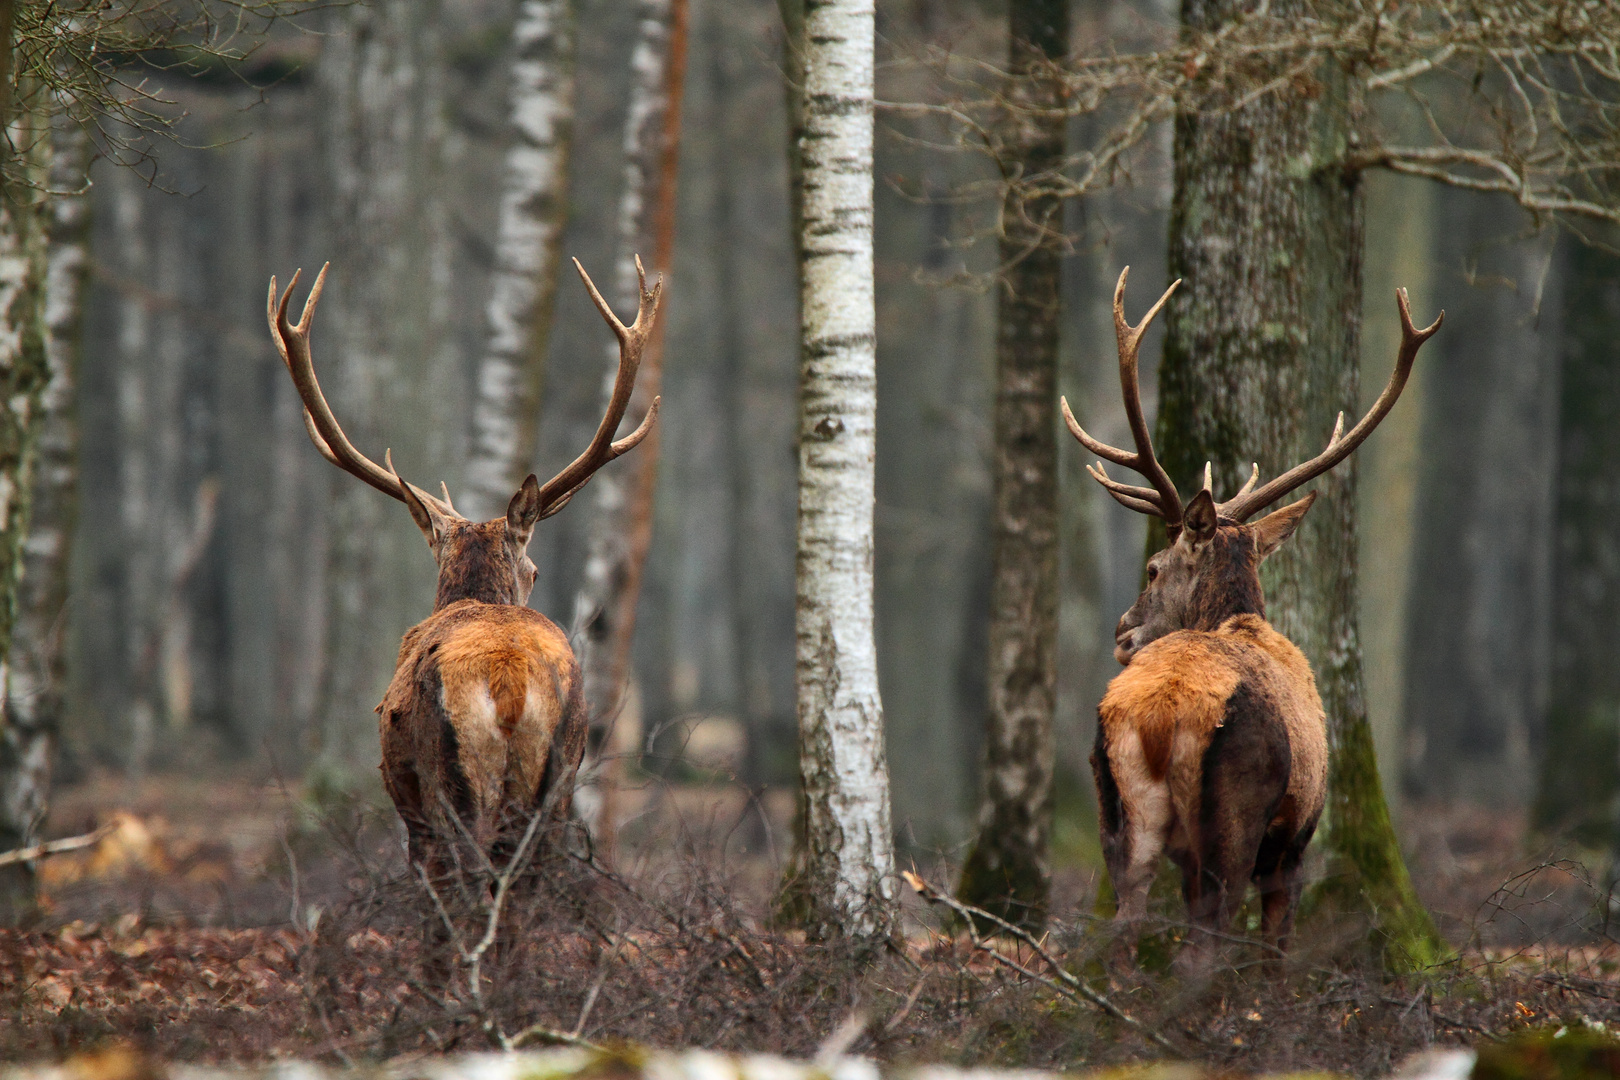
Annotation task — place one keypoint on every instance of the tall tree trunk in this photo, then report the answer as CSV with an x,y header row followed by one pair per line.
x,y
1006,871
388,374
528,248
1262,349
726,212
1579,790
34,668
1481,622
621,525
842,881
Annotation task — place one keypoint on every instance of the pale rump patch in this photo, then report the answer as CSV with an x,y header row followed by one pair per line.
x,y
505,681
504,704
1147,812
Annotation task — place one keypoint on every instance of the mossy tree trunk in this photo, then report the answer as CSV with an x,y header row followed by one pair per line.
x,y
1006,870
1261,352
25,376
1580,772
35,667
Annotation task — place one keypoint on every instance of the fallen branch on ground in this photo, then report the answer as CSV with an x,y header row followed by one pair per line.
x,y
1066,983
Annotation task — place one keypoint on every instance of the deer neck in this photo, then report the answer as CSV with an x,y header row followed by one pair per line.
x,y
1230,585
487,580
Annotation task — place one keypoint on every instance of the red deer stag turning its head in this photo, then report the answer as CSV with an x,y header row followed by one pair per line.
x,y
1211,744
484,723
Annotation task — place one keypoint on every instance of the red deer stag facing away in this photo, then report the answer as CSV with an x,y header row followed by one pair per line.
x,y
1211,744
484,723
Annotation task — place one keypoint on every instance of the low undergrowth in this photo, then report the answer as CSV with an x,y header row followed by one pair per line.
x,y
554,947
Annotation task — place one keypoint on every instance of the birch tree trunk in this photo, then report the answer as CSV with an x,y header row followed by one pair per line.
x,y
528,247
621,522
1261,352
33,668
842,880
1006,870
388,372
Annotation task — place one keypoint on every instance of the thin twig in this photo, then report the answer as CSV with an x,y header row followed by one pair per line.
x,y
1069,984
56,847
596,989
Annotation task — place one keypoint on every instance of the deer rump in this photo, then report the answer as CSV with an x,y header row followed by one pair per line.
x,y
485,719
1212,749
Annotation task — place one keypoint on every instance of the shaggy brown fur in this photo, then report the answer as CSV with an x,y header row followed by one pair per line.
x,y
485,716
1211,744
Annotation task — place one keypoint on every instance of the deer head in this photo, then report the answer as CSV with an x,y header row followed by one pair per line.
x,y
1211,569
485,561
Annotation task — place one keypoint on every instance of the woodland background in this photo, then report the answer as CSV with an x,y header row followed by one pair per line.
x,y
254,635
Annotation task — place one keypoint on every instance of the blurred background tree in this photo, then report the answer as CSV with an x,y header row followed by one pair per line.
x,y
379,139
64,72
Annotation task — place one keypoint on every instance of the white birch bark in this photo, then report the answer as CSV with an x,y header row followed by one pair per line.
x,y
42,259
33,669
605,604
845,867
528,242
610,552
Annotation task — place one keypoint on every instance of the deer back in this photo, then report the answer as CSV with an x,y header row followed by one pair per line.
x,y
484,718
1161,715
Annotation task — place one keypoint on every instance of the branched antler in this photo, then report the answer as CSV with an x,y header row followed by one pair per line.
x,y
292,341
1161,499
556,492
1247,502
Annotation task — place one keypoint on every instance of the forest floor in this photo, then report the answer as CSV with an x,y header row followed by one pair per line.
x,y
224,919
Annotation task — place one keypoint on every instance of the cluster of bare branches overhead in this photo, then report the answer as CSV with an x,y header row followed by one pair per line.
x,y
99,61
1508,96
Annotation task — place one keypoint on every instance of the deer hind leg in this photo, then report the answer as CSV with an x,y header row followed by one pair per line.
x,y
1244,777
1135,819
1276,873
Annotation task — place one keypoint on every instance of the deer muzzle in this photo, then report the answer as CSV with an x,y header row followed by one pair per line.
x,y
1125,645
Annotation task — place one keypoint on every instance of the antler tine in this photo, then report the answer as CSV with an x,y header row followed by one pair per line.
x,y
1130,342
1101,449
1165,503
627,443
1247,502
554,493
1137,498
292,342
1248,485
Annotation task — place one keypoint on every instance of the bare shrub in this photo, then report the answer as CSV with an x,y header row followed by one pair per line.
x,y
677,950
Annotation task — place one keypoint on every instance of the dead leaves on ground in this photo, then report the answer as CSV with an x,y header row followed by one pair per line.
x,y
109,970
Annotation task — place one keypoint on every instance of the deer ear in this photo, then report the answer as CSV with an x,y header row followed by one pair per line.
x,y
1277,526
523,511
1198,523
